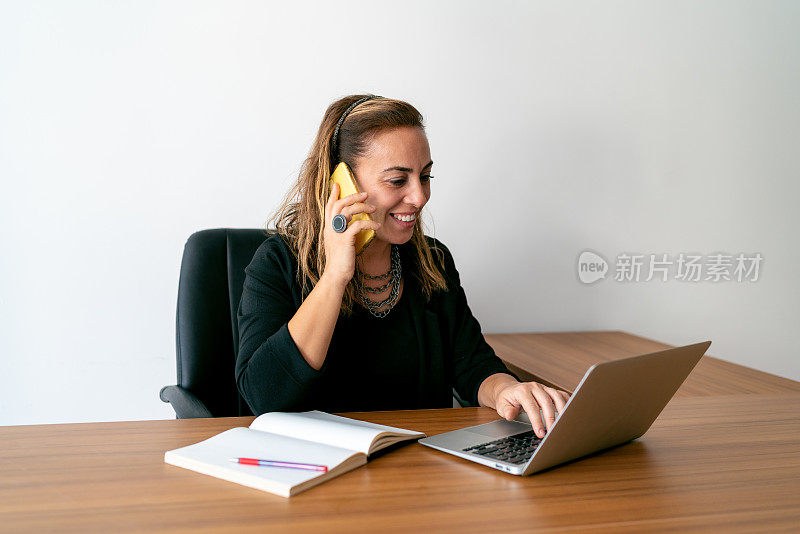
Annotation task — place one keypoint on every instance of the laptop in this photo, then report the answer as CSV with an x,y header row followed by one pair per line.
x,y
615,402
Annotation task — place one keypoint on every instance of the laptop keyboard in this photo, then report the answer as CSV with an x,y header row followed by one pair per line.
x,y
516,449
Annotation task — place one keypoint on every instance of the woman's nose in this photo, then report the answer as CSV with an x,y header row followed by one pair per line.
x,y
416,194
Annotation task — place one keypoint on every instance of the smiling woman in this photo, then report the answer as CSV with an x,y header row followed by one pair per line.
x,y
322,327
383,141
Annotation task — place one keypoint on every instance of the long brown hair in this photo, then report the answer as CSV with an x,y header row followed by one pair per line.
x,y
300,217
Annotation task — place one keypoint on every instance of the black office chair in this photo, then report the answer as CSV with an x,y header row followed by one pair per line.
x,y
206,329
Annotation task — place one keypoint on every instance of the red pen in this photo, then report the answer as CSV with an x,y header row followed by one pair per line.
x,y
277,463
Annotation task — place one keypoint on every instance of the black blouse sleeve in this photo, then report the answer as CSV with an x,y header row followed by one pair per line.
x,y
474,359
271,373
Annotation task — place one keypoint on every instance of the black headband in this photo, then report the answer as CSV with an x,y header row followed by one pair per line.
x,y
335,141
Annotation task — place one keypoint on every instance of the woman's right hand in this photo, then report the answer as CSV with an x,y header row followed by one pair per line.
x,y
340,248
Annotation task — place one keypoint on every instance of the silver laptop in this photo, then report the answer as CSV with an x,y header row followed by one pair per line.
x,y
614,403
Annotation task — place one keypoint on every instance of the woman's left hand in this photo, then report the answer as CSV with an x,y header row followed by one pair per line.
x,y
531,396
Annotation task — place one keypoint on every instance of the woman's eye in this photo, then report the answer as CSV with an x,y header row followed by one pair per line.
x,y
424,179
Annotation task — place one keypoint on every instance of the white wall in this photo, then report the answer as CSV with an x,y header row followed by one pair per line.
x,y
650,127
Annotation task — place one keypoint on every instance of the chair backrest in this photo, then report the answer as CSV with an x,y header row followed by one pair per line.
x,y
207,332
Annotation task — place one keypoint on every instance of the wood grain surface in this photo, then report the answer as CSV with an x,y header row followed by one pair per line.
x,y
713,463
560,359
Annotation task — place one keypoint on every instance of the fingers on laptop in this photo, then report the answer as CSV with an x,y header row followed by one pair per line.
x,y
532,396
550,400
548,410
559,397
532,409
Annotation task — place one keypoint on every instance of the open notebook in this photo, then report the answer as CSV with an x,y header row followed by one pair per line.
x,y
313,437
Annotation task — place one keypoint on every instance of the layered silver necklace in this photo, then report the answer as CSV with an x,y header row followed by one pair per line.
x,y
393,275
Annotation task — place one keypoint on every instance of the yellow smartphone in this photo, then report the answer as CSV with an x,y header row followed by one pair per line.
x,y
343,176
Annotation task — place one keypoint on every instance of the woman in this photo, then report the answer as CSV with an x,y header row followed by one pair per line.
x,y
323,328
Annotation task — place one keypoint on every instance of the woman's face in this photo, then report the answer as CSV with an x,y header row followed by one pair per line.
x,y
395,172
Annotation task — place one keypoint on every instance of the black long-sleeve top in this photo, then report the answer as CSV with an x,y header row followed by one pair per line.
x,y
410,359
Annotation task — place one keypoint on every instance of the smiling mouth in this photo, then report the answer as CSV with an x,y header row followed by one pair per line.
x,y
405,218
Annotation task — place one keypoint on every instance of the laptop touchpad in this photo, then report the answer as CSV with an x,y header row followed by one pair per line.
x,y
499,428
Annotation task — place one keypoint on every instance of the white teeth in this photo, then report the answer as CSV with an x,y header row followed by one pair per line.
x,y
404,218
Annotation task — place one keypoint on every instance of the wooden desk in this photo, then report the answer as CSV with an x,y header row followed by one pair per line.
x,y
561,359
724,463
